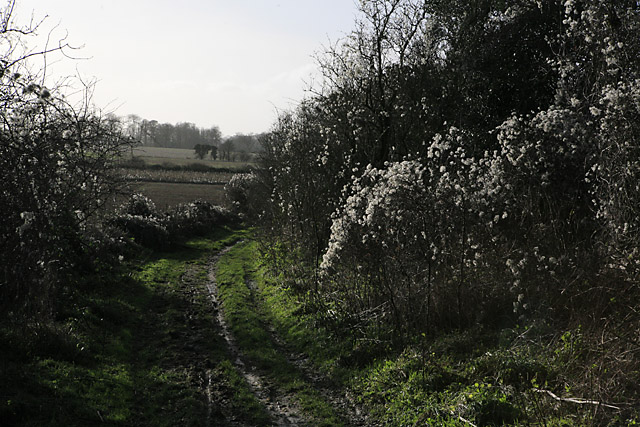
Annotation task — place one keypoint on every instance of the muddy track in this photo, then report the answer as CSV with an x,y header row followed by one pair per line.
x,y
342,402
281,405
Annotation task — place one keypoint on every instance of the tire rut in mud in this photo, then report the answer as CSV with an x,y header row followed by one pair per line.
x,y
280,406
342,402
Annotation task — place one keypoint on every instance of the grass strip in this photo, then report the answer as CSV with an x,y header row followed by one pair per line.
x,y
245,313
482,376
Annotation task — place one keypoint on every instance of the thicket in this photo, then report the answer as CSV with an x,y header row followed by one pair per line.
x,y
139,219
56,163
60,185
467,163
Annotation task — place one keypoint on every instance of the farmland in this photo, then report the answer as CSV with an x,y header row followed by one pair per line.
x,y
181,157
176,176
168,194
169,176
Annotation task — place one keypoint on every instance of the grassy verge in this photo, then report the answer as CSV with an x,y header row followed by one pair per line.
x,y
247,316
481,377
139,347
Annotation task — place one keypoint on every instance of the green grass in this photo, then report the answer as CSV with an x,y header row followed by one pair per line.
x,y
137,348
246,314
482,376
140,346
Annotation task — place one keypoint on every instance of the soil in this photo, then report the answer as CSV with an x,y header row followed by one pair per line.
x,y
280,404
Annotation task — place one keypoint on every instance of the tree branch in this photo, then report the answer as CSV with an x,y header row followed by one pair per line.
x,y
579,401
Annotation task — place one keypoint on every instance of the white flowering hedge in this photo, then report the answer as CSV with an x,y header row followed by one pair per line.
x,y
465,165
56,163
55,175
140,220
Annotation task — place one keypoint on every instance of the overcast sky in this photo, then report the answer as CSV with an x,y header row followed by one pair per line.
x,y
228,63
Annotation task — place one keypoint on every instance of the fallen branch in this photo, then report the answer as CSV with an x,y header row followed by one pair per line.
x,y
466,421
576,400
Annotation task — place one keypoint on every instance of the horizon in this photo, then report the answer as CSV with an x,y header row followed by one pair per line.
x,y
233,66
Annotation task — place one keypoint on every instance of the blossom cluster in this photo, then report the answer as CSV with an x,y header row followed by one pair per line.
x,y
450,158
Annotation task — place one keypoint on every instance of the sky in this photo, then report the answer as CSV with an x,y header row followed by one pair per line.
x,y
227,63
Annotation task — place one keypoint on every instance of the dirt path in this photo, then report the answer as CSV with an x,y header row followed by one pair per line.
x,y
281,405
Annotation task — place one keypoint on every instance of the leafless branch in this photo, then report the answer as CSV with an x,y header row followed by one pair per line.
x,y
579,401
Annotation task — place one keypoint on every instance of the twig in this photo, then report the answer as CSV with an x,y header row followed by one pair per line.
x,y
576,400
466,421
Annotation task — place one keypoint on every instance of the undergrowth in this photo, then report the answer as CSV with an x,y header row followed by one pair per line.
x,y
139,346
532,374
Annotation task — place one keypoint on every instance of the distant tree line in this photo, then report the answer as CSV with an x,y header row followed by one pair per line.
x,y
189,136
181,135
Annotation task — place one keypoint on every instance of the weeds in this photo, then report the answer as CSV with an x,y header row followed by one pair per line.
x,y
137,348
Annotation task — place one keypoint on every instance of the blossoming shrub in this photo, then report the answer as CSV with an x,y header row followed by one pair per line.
x,y
615,173
572,166
55,177
300,183
241,193
197,217
138,218
422,233
528,204
139,205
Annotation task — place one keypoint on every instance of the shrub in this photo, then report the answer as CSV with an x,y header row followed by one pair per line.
x,y
139,205
56,175
243,193
197,217
138,218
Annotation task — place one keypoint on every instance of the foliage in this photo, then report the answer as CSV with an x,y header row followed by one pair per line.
x,y
497,376
136,346
56,164
461,165
197,218
140,220
458,157
181,135
245,195
202,150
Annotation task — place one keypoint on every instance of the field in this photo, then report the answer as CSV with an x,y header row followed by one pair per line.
x,y
181,157
169,176
166,195
177,176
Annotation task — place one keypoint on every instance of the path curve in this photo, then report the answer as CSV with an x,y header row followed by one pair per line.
x,y
280,406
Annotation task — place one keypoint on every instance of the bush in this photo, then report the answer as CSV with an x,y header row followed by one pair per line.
x,y
148,231
242,192
197,217
56,174
138,218
139,205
